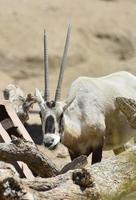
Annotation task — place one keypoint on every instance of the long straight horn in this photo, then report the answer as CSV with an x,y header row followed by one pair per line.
x,y
62,67
46,80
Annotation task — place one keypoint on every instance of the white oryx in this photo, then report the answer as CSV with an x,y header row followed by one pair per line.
x,y
89,120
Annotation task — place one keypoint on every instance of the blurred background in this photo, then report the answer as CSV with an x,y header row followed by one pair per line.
x,y
103,40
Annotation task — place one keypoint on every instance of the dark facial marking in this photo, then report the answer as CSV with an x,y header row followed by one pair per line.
x,y
50,104
61,126
50,125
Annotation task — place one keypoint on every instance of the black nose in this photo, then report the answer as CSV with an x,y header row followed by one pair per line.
x,y
48,142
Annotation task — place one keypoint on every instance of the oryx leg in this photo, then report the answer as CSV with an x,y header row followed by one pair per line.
x,y
73,155
100,130
119,150
97,153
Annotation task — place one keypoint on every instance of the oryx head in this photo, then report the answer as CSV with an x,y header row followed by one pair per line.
x,y
52,112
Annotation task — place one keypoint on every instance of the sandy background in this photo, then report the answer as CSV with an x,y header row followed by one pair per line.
x,y
103,40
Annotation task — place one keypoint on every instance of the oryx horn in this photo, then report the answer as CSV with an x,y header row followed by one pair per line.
x,y
46,80
68,103
62,66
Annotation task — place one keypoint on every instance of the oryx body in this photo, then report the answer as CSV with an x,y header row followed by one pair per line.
x,y
93,119
89,119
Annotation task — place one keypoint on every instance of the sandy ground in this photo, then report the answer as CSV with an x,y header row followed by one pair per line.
x,y
103,40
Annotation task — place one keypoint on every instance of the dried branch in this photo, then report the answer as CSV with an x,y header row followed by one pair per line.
x,y
128,107
113,178
40,164
22,150
77,163
21,103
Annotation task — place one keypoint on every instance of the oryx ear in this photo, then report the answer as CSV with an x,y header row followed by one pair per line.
x,y
39,97
68,103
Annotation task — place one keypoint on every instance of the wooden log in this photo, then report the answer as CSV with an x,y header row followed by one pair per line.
x,y
9,122
114,178
41,165
26,151
21,167
77,163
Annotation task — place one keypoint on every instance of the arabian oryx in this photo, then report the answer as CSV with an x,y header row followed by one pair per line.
x,y
89,120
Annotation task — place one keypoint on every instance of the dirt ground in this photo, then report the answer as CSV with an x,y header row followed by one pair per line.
x,y
103,40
